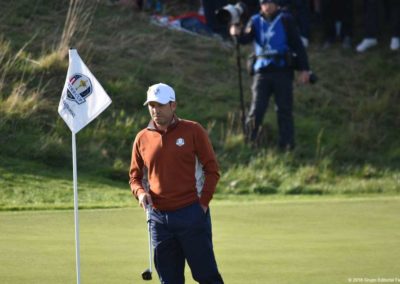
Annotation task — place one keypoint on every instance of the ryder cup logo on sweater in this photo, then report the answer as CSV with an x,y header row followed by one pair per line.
x,y
180,142
79,88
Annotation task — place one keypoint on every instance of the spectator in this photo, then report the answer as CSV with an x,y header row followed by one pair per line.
x,y
210,6
301,13
371,10
154,5
337,18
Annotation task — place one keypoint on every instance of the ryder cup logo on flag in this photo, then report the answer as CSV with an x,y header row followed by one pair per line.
x,y
79,87
83,98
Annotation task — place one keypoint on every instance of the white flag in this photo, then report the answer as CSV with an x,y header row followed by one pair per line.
x,y
83,98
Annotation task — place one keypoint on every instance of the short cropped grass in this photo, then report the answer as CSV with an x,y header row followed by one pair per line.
x,y
29,185
329,241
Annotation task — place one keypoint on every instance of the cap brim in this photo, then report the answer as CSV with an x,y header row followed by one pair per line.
x,y
157,101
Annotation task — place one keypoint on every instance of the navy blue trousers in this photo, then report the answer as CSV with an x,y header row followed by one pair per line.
x,y
180,235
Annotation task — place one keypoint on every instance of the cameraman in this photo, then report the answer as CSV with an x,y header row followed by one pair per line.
x,y
275,38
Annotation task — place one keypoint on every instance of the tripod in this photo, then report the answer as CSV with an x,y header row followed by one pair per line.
x,y
241,98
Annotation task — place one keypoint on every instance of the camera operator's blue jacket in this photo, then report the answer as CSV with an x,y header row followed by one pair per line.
x,y
274,38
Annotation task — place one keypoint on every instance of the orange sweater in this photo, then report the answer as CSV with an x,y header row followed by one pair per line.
x,y
170,162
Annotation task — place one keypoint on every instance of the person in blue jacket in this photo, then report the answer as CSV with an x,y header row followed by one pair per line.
x,y
275,38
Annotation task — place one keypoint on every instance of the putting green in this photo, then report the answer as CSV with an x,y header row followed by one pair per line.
x,y
325,241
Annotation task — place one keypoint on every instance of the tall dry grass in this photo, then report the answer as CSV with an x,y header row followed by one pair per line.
x,y
9,60
77,24
76,28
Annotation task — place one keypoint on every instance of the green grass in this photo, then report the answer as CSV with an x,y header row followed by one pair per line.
x,y
262,242
35,186
325,213
29,185
346,125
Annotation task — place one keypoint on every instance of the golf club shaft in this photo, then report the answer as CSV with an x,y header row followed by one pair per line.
x,y
150,240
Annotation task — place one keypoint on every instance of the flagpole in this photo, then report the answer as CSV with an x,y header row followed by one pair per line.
x,y
76,214
78,107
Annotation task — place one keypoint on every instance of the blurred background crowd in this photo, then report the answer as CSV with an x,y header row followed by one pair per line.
x,y
358,24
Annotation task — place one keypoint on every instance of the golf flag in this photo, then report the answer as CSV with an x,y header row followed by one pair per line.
x,y
83,98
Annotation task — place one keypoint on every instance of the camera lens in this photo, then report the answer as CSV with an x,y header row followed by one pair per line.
x,y
223,16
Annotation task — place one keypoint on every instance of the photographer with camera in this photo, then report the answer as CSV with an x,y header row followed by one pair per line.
x,y
278,51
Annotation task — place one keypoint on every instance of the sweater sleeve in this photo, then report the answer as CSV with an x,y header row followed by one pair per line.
x,y
207,158
136,170
295,43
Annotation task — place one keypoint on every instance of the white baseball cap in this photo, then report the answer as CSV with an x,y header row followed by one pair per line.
x,y
160,93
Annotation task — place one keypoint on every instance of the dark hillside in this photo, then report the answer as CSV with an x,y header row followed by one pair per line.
x,y
347,125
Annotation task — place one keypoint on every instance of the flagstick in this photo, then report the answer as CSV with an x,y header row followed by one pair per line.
x,y
78,109
75,175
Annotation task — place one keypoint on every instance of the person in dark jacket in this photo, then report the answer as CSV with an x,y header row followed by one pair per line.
x,y
337,12
301,13
371,15
275,37
210,7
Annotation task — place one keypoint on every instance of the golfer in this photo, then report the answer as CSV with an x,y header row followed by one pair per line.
x,y
175,172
